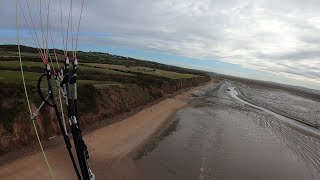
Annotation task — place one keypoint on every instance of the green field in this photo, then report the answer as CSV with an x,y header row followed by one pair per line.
x,y
31,78
98,69
104,68
143,70
10,72
12,64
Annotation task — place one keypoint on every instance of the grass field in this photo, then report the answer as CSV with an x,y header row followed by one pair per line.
x,y
98,84
10,71
105,68
143,70
31,78
113,70
5,53
16,64
12,64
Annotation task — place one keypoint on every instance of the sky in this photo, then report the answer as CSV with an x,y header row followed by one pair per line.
x,y
269,40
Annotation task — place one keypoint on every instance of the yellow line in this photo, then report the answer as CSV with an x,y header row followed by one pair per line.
x,y
26,93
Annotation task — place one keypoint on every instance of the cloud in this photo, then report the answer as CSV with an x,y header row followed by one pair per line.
x,y
281,37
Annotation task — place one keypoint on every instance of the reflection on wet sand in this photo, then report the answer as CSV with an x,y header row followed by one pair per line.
x,y
220,138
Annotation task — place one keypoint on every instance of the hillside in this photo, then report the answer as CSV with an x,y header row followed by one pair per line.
x,y
108,85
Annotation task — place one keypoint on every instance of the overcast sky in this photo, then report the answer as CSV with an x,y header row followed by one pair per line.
x,y
280,38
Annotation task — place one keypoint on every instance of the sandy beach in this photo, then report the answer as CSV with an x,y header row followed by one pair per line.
x,y
107,145
219,137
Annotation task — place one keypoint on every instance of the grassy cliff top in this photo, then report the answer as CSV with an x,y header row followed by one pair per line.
x,y
95,68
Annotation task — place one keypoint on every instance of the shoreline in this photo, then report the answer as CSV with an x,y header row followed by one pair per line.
x,y
106,144
298,124
277,111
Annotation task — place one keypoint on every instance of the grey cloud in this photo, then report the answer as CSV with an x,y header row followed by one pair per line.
x,y
294,55
268,35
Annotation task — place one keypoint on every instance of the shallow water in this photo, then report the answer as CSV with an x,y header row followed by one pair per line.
x,y
220,138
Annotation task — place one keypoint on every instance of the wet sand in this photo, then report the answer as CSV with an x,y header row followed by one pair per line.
x,y
107,146
301,108
219,137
